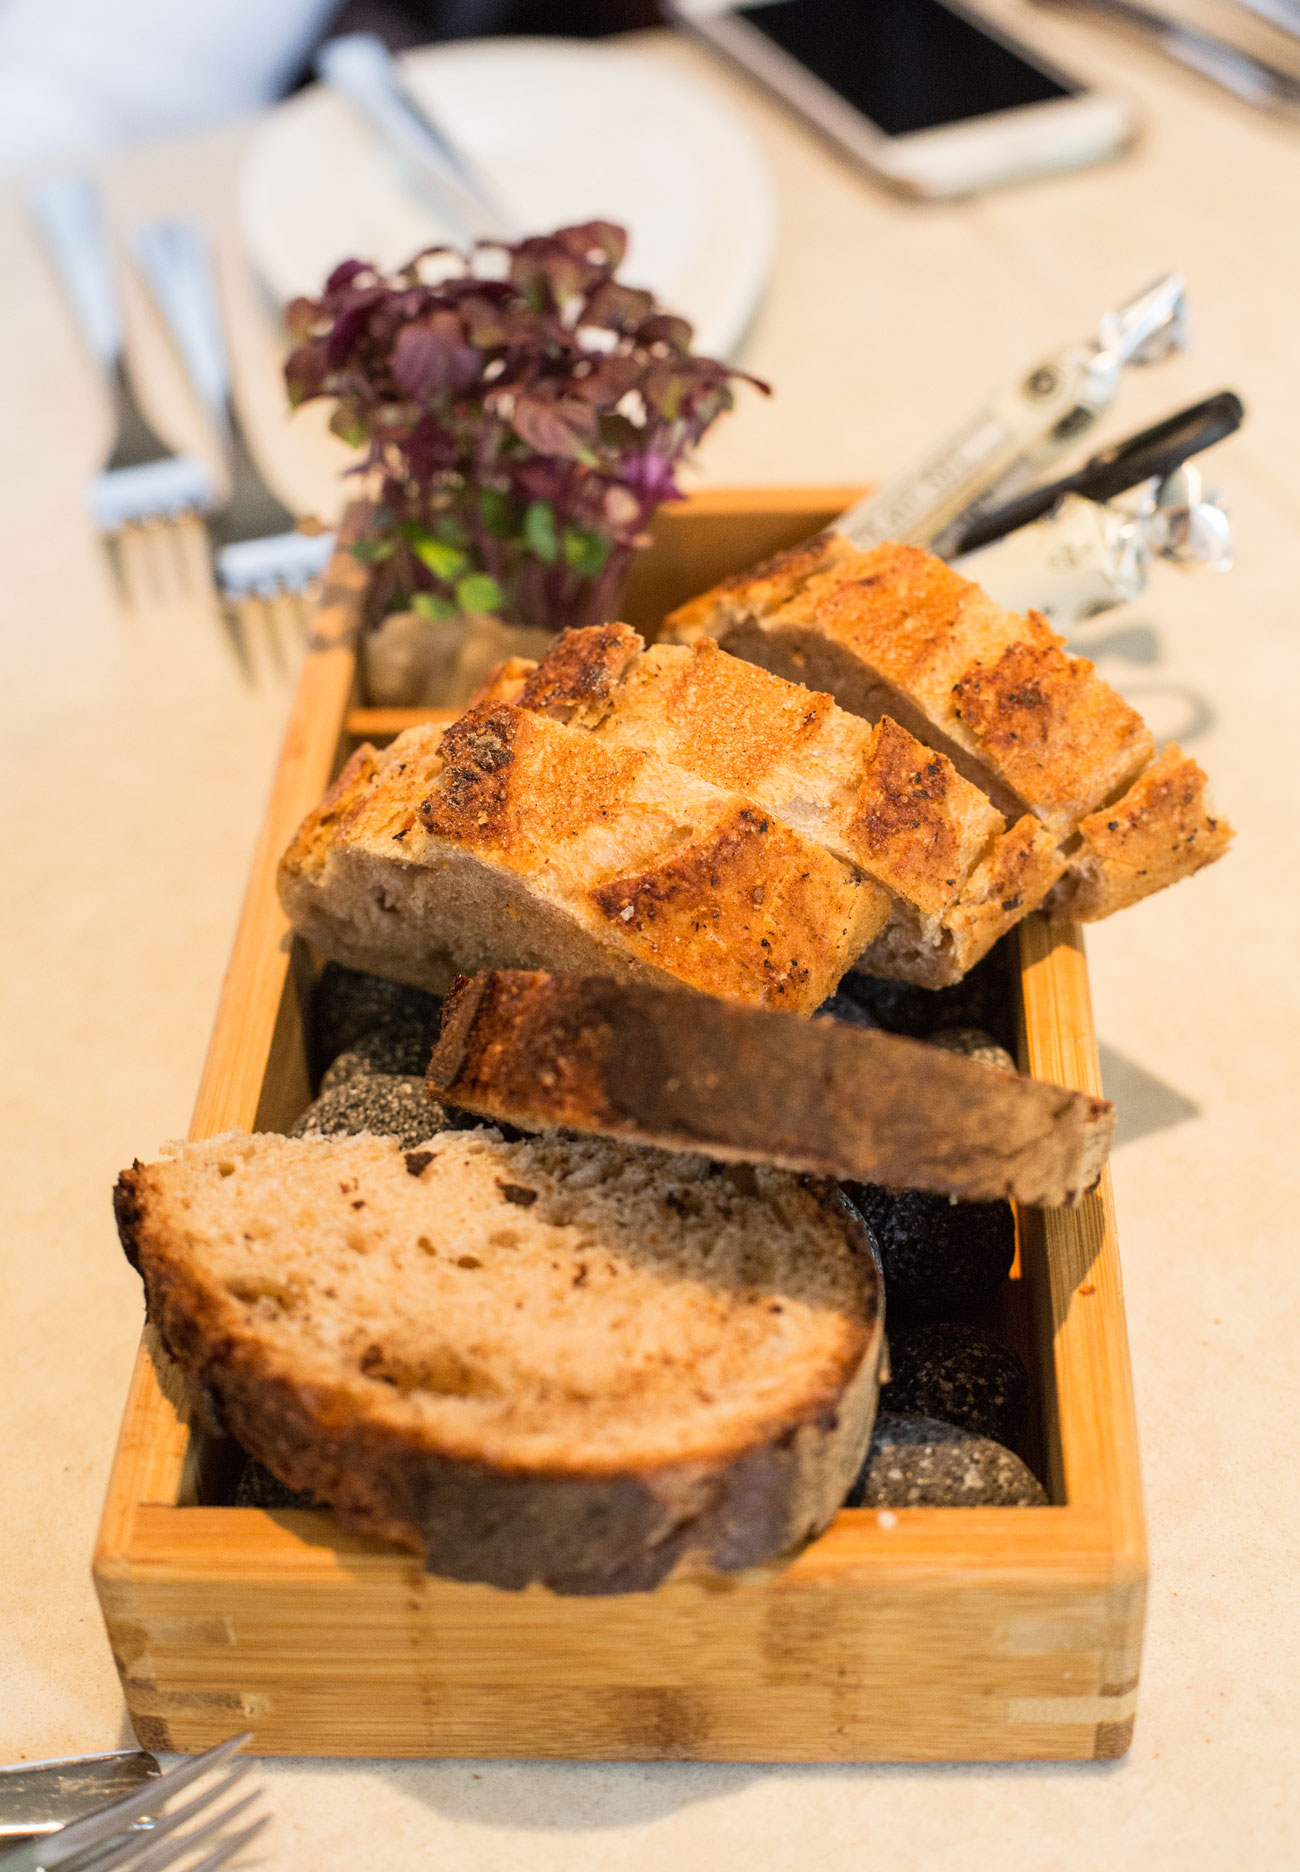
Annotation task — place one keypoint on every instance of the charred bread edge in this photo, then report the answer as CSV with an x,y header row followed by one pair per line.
x,y
690,1072
574,1533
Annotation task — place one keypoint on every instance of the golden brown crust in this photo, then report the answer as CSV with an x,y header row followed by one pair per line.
x,y
580,670
901,632
512,838
690,1073
1160,831
752,593
1055,733
1014,879
875,796
747,903
923,825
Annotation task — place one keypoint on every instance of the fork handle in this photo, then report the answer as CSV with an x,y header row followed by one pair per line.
x,y
176,260
68,215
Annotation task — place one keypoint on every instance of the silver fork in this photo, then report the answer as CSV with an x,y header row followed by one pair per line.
x,y
145,490
265,569
140,1833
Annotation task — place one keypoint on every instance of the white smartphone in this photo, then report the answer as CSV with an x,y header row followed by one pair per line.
x,y
930,95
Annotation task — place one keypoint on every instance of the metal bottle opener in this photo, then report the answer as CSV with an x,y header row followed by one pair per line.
x,y
1013,439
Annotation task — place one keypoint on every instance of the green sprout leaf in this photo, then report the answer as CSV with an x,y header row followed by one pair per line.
x,y
585,551
495,509
372,551
539,531
479,592
444,561
429,605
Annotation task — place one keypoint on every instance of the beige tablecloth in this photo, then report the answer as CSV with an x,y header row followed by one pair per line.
x,y
135,762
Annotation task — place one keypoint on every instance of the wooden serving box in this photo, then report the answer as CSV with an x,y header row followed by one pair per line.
x,y
930,1634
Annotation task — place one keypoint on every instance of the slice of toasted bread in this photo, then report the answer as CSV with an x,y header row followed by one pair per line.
x,y
896,631
873,794
1159,831
558,1361
901,633
509,838
689,1073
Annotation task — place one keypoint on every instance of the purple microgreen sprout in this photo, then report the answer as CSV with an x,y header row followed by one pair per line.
x,y
522,412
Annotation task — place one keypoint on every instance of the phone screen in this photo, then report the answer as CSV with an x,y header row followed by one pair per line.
x,y
906,64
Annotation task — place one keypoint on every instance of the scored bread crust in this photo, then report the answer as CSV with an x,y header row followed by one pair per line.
x,y
688,1073
585,1524
511,839
871,793
896,631
1159,831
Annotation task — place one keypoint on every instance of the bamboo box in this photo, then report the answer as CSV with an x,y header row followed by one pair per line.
x,y
926,1634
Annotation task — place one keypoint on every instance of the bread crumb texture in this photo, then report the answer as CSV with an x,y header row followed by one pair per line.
x,y
552,1305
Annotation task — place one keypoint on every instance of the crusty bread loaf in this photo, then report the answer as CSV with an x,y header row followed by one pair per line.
x,y
1159,831
555,1360
511,839
689,1073
896,631
872,794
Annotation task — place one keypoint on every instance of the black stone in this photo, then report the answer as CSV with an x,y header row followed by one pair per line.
x,y
961,1375
940,1258
842,1007
386,1104
258,1488
917,1462
401,1047
346,1003
982,998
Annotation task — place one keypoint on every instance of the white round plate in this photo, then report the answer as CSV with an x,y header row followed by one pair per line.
x,y
566,132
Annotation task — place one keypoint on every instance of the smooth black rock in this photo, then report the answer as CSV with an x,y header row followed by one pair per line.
x,y
258,1488
982,998
961,1375
347,1003
843,1007
386,1104
917,1462
400,1047
940,1258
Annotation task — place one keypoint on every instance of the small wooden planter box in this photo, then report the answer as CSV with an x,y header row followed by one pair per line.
x,y
928,1635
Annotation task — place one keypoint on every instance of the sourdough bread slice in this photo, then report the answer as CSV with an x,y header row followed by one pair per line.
x,y
896,631
872,794
687,1072
511,839
555,1360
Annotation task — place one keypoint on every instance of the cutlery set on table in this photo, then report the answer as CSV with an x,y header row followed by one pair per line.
x,y
151,505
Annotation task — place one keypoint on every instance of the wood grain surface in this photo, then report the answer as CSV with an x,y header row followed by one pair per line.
x,y
925,1634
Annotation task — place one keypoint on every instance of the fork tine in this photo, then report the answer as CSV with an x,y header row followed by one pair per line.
x,y
228,1848
54,1850
163,1845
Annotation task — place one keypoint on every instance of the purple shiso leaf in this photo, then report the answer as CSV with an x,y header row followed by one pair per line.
x,y
478,387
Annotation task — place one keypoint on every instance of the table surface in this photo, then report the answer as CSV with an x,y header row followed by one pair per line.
x,y
138,761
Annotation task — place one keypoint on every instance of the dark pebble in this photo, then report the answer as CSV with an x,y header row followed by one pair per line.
x,y
382,1103
345,1004
975,1044
403,1048
982,998
843,1007
917,1462
962,1375
940,1258
258,1488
